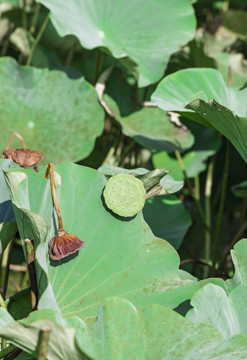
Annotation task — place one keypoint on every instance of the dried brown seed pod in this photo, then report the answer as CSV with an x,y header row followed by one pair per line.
x,y
63,244
24,157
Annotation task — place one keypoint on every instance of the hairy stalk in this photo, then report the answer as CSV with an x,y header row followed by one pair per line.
x,y
222,204
37,40
197,203
208,192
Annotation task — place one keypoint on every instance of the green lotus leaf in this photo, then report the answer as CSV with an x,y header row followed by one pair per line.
x,y
151,127
128,28
120,258
110,170
167,218
158,333
239,258
124,195
52,112
225,121
177,90
227,314
8,226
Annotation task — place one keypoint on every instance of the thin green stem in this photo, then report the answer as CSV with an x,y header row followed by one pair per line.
x,y
71,54
222,204
197,203
127,151
197,188
234,241
38,38
111,150
208,192
24,15
8,251
5,47
98,65
35,18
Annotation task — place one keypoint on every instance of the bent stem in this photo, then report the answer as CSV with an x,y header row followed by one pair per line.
x,y
50,170
19,137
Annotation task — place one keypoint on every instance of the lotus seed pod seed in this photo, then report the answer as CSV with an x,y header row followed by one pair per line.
x,y
125,195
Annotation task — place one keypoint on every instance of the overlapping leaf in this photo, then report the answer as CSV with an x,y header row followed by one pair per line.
x,y
167,218
224,307
120,258
147,33
181,88
7,218
56,115
221,118
158,333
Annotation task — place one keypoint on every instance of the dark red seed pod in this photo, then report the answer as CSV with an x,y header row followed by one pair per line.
x,y
63,244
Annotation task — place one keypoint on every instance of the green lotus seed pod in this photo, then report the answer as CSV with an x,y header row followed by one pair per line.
x,y
124,195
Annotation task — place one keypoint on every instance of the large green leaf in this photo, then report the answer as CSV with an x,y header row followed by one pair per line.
x,y
149,126
152,128
120,258
167,218
177,90
8,226
56,115
225,121
239,258
148,33
224,307
159,333
227,314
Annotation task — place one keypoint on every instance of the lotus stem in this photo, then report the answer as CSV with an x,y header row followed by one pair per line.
x,y
19,137
50,170
32,273
44,336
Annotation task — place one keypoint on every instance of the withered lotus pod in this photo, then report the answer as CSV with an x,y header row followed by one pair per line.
x,y
63,244
24,157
